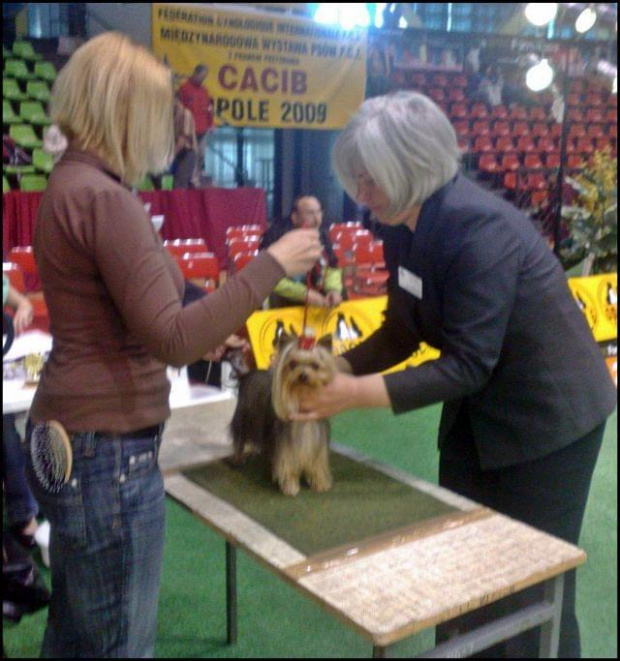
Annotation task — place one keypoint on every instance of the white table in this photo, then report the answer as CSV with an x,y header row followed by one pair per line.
x,y
17,396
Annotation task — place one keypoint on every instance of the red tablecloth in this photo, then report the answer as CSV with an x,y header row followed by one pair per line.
x,y
189,214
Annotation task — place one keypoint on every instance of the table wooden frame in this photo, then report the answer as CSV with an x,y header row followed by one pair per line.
x,y
550,558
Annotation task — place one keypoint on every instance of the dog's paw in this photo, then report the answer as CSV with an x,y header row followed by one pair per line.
x,y
289,487
320,484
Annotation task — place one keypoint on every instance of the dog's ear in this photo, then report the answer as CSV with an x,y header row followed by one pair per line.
x,y
283,339
326,342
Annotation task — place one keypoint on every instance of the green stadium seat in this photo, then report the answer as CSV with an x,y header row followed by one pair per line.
x,y
8,116
6,187
11,90
17,69
24,136
18,169
146,184
25,51
42,161
38,90
167,182
29,183
32,112
45,71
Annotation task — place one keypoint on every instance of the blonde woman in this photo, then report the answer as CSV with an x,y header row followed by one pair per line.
x,y
114,299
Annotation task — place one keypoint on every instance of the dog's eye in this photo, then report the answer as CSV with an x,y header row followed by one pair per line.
x,y
292,364
314,366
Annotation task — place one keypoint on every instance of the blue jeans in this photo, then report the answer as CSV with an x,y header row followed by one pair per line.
x,y
20,504
106,548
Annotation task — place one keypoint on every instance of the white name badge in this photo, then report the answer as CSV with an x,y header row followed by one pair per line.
x,y
410,282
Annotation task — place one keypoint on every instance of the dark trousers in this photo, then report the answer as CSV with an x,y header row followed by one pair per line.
x,y
549,494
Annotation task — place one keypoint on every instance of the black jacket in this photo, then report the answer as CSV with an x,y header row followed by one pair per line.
x,y
481,285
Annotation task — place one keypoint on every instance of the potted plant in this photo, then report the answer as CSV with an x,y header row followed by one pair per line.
x,y
592,218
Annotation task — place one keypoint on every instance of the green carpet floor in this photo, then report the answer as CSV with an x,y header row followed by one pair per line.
x,y
276,621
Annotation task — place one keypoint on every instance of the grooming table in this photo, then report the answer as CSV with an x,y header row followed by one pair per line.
x,y
385,553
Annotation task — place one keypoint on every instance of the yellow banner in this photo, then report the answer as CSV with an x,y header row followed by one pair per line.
x,y
597,296
349,324
266,71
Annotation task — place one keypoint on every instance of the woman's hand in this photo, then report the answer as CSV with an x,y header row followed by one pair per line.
x,y
232,342
344,392
297,251
23,316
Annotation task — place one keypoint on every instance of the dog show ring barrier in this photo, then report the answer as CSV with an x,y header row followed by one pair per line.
x,y
392,556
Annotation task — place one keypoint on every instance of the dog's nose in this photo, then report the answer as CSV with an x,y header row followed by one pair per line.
x,y
303,377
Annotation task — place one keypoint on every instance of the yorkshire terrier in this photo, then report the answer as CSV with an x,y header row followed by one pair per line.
x,y
261,422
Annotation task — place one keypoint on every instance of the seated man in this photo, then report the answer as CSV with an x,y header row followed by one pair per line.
x,y
326,279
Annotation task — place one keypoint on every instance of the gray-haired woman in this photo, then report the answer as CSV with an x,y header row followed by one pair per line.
x,y
525,387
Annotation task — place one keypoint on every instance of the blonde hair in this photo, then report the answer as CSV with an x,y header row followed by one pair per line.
x,y
406,145
115,98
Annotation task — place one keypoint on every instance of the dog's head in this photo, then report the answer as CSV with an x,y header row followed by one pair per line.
x,y
297,369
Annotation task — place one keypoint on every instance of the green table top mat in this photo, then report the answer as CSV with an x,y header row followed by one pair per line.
x,y
362,503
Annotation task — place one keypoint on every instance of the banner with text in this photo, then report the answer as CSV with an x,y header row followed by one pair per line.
x,y
349,324
266,71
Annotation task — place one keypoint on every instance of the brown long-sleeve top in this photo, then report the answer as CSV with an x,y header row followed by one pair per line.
x,y
114,300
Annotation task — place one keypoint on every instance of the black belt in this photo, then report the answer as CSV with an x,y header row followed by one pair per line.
x,y
146,432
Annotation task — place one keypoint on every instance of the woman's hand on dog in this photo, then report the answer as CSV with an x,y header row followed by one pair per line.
x,y
344,392
297,251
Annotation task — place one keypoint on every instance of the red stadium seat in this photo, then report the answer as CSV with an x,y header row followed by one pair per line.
x,y
555,131
456,94
540,129
536,181
23,256
574,115
347,240
437,94
479,111
201,268
593,101
595,131
577,130
594,115
499,112
546,144
459,81
440,80
574,160
241,231
481,127
573,100
501,128
532,160
488,163
612,116
552,159
483,143
612,131
461,128
584,146
338,228
510,181
520,128
242,244
526,144
178,247
242,259
458,111
539,198
510,162
504,144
